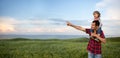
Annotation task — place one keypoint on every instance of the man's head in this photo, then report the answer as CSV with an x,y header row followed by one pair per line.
x,y
96,14
95,25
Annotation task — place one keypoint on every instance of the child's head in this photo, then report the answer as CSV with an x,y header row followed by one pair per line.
x,y
96,14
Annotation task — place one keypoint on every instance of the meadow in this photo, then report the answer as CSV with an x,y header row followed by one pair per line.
x,y
55,48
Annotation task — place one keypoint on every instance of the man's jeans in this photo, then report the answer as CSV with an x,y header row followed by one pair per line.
x,y
91,55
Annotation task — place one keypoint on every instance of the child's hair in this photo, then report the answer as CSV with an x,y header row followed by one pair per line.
x,y
97,23
97,13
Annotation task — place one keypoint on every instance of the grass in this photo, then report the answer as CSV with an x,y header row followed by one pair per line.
x,y
55,48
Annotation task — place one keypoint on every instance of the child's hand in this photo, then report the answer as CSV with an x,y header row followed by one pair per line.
x,y
94,35
68,23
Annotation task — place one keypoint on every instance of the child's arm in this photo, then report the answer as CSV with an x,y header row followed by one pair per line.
x,y
76,27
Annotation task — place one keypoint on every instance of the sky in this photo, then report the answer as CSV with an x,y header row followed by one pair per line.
x,y
48,17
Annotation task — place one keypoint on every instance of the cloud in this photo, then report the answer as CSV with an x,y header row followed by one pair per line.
x,y
111,27
110,7
8,24
110,16
49,26
6,28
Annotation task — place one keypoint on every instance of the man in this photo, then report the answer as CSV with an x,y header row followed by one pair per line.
x,y
94,47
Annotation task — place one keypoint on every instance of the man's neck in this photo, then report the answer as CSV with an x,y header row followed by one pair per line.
x,y
94,31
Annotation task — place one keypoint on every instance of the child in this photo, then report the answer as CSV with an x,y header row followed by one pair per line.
x,y
96,15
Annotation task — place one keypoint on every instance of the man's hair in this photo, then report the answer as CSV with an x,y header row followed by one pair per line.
x,y
97,12
97,23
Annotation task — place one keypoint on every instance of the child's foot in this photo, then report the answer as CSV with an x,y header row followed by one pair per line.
x,y
92,37
96,39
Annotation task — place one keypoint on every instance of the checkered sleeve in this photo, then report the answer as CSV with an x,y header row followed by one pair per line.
x,y
88,31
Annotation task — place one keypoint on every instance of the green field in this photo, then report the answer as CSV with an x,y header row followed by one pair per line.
x,y
55,48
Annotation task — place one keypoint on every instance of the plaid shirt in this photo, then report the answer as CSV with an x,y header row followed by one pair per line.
x,y
94,46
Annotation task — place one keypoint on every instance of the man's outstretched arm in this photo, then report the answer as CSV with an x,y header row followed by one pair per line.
x,y
76,27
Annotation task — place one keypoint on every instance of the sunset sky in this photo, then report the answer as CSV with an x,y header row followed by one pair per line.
x,y
50,16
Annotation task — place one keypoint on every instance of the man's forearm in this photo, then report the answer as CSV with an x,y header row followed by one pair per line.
x,y
101,39
78,27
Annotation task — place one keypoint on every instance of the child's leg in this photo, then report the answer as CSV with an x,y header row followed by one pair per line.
x,y
91,33
98,33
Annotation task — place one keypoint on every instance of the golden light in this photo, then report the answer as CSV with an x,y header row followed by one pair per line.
x,y
6,28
